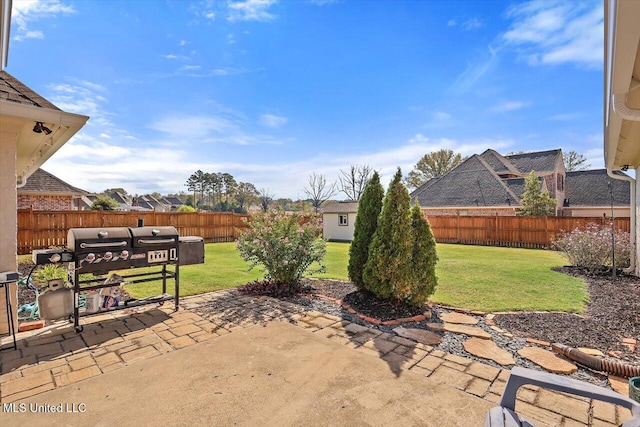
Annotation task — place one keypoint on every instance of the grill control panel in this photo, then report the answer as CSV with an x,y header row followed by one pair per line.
x,y
157,256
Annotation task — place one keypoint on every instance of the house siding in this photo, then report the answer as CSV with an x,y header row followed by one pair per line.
x,y
618,212
332,231
45,202
507,211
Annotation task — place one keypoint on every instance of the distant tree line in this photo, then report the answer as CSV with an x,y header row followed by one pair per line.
x,y
220,192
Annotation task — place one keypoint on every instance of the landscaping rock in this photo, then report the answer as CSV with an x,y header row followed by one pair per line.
x,y
548,360
471,331
487,349
458,318
419,335
619,385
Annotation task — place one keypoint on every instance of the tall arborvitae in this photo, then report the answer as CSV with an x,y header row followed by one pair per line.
x,y
387,271
423,259
366,222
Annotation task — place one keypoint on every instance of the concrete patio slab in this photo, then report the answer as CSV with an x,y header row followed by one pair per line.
x,y
277,374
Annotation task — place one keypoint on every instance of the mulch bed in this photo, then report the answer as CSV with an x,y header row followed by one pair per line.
x,y
362,301
612,314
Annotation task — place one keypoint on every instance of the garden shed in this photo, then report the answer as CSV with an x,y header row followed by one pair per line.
x,y
338,220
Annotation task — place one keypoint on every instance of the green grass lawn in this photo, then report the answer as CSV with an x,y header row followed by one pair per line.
x,y
474,277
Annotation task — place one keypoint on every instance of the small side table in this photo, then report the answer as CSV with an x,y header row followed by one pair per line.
x,y
6,278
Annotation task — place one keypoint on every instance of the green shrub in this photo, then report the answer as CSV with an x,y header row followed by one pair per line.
x,y
186,208
284,244
369,209
387,272
590,248
47,272
423,259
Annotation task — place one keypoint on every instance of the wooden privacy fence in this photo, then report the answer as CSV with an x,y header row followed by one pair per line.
x,y
43,229
513,231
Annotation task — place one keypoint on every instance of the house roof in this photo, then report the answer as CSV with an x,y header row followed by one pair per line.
x,y
13,90
471,183
539,161
119,197
172,200
499,163
591,188
42,182
340,207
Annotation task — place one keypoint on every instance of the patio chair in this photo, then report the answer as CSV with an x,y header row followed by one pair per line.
x,y
504,415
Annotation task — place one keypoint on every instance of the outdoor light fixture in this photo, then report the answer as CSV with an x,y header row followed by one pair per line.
x,y
39,128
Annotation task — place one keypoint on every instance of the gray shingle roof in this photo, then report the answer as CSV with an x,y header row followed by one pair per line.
x,y
539,161
499,164
471,183
13,90
340,207
590,188
45,183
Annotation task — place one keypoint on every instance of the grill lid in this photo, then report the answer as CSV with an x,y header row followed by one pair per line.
x,y
154,236
89,239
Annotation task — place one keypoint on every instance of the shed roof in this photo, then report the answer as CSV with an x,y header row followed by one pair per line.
x,y
340,207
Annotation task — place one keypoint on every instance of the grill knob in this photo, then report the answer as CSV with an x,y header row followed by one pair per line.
x,y
107,256
90,257
124,254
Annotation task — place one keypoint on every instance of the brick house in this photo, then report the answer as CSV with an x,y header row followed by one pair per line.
x,y
493,184
43,191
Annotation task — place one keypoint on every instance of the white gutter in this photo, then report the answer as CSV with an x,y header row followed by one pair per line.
x,y
617,103
5,32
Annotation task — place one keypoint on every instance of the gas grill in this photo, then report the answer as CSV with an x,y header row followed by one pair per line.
x,y
103,250
99,250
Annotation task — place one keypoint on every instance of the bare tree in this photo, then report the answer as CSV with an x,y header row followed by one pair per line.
x,y
353,181
265,199
318,191
574,161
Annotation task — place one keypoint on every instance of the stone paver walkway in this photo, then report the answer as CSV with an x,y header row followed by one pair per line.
x,y
58,356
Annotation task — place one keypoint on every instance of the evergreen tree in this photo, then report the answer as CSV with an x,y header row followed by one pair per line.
x,y
366,222
388,267
535,202
423,259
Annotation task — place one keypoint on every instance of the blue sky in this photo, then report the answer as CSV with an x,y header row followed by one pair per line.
x,y
272,91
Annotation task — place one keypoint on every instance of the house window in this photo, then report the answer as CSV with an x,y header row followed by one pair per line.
x,y
343,219
560,183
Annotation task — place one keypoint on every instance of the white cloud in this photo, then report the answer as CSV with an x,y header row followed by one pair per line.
x,y
476,70
210,15
441,116
25,13
471,24
565,117
509,106
182,43
468,24
552,32
250,10
272,121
